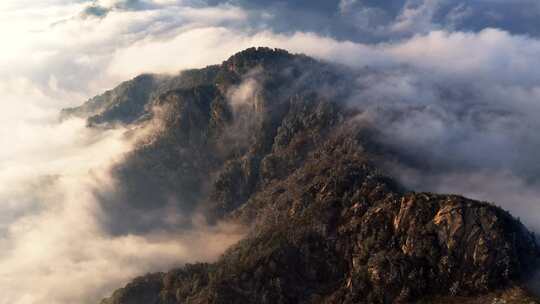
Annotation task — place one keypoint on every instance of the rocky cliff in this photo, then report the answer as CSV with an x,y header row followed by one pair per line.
x,y
265,139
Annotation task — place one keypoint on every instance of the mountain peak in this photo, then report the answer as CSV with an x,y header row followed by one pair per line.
x,y
261,56
290,161
261,53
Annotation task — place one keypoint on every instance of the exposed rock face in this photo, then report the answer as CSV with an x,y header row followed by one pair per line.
x,y
326,225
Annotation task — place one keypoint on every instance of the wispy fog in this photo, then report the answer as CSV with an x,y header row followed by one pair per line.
x,y
53,246
54,249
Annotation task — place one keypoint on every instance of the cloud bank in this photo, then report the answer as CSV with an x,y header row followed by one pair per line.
x,y
451,87
54,248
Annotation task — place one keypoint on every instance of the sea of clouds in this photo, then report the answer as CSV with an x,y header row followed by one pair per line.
x,y
467,100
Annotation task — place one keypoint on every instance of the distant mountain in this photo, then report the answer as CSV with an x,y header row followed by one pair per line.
x,y
266,139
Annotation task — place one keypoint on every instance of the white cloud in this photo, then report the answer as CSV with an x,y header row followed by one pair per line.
x,y
50,233
416,17
53,247
245,93
346,5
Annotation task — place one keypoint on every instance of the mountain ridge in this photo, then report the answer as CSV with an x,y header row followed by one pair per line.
x,y
290,161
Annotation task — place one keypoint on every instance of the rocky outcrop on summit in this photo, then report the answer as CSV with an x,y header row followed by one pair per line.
x,y
326,225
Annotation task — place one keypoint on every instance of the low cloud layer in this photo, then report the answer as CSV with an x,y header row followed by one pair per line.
x,y
373,21
54,248
461,118
451,88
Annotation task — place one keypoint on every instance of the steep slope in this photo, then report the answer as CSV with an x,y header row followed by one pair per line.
x,y
264,139
337,231
214,144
